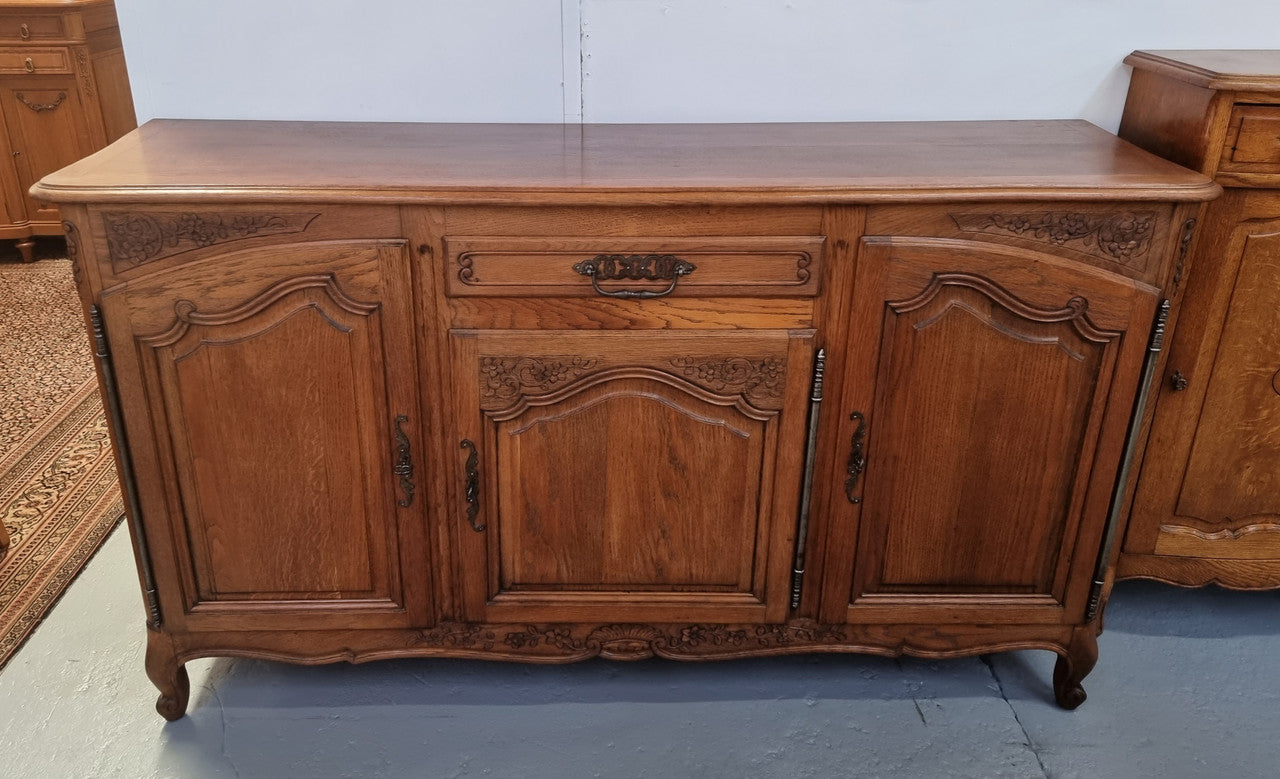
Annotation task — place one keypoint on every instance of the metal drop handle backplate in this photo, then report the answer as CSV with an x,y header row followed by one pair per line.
x,y
473,485
635,267
403,467
857,458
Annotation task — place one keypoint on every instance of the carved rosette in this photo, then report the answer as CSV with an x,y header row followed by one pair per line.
x,y
632,642
1122,237
755,379
134,238
503,379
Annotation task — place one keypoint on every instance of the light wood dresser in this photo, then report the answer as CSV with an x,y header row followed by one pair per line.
x,y
1207,506
64,94
551,392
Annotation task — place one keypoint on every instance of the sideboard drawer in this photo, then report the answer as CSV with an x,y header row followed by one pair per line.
x,y
633,267
1253,140
14,59
21,27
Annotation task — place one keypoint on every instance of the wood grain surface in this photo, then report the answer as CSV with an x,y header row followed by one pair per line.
x,y
490,163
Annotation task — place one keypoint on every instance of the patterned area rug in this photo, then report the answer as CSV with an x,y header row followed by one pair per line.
x,y
58,492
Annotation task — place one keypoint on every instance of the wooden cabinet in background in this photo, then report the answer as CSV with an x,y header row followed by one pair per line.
x,y
64,94
546,393
1207,503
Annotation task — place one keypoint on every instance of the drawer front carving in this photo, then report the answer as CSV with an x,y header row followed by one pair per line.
x,y
633,267
37,61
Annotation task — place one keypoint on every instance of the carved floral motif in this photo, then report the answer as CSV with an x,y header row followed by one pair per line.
x,y
73,249
85,70
631,641
1119,236
758,378
137,237
506,378
459,635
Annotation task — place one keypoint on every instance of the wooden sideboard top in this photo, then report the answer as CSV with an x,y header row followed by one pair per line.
x,y
1227,69
51,5
201,160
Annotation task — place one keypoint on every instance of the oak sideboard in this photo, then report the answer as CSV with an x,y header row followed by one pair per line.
x,y
544,392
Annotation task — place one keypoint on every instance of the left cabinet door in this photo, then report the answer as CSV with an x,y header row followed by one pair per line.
x,y
271,412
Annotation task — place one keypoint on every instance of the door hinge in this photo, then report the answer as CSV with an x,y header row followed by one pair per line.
x,y
1154,346
811,448
124,464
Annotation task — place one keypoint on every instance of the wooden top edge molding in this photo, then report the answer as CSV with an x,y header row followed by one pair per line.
x,y
54,5
1226,69
210,160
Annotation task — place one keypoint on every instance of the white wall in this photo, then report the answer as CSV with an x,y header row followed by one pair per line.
x,y
660,60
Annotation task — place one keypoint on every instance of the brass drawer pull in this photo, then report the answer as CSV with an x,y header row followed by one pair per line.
x,y
24,32
404,463
473,486
857,458
31,66
635,267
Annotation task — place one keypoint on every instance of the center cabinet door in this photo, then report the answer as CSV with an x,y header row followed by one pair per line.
x,y
628,476
978,473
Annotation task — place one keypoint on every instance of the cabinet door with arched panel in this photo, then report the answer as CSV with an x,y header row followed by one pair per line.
x,y
640,476
985,404
276,424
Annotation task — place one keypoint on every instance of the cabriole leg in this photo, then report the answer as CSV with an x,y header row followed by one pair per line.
x,y
1074,665
168,675
26,247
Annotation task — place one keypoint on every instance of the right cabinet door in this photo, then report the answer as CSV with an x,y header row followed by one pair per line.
x,y
984,416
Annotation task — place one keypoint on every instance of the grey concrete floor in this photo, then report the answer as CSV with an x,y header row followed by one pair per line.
x,y
1187,686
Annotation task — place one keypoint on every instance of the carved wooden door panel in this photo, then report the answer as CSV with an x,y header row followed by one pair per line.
x,y
1210,484
978,480
48,128
282,391
626,475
